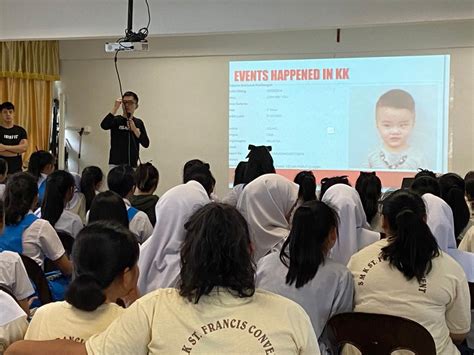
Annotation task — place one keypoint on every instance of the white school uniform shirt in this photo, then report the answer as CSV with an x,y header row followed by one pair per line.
x,y
13,275
13,323
233,196
160,261
441,222
68,222
354,232
330,291
440,303
140,224
266,203
467,243
41,241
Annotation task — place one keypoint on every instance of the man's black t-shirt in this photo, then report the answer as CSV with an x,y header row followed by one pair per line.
x,y
12,136
124,145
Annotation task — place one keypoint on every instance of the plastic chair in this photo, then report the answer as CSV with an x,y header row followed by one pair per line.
x,y
379,334
38,278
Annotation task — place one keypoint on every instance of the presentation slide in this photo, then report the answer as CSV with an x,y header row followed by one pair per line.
x,y
341,116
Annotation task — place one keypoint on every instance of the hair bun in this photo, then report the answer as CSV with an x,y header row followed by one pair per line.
x,y
85,293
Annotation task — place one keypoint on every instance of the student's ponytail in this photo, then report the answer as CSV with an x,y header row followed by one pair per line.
x,y
20,193
411,246
58,184
369,187
101,252
91,176
85,293
307,183
303,251
453,188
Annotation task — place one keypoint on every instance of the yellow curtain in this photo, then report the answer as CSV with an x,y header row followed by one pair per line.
x,y
27,73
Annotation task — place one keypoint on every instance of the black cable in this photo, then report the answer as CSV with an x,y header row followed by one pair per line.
x,y
117,71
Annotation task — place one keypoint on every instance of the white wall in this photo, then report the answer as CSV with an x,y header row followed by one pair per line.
x,y
65,19
183,87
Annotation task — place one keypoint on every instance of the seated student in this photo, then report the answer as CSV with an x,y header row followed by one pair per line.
x,y
441,222
159,256
216,308
59,191
453,190
105,257
91,182
304,273
13,274
307,186
120,180
327,182
13,321
233,196
146,180
197,170
406,275
24,232
260,162
267,204
40,165
354,231
108,206
369,187
77,204
3,176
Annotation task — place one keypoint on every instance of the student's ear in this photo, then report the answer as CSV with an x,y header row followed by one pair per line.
x,y
385,225
332,238
130,277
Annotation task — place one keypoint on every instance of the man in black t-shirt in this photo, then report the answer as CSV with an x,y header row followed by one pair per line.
x,y
13,139
126,131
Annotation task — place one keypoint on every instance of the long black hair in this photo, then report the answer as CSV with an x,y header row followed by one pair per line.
x,y
216,253
109,206
453,189
307,182
369,187
411,246
303,251
239,174
146,177
327,182
260,162
20,193
38,161
91,176
425,184
58,184
101,252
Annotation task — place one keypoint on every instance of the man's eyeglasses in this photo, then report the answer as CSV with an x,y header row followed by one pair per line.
x,y
126,102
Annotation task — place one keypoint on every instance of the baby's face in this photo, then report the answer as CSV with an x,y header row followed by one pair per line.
x,y
395,126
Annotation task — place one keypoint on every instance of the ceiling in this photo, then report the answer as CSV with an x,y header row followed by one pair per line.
x,y
67,19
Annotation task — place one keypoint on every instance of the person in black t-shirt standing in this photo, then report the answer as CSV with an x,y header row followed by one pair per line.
x,y
13,139
126,131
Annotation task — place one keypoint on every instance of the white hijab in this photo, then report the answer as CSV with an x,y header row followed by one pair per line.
x,y
354,233
159,260
265,203
441,222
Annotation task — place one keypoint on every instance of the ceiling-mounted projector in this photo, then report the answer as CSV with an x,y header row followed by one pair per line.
x,y
133,41
126,46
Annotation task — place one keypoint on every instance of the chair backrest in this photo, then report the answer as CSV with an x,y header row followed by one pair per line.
x,y
471,291
38,278
379,334
67,240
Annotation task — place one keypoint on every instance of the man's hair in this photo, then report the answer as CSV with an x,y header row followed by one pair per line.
x,y
396,98
120,180
7,105
130,93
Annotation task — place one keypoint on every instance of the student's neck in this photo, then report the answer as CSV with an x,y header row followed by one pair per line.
x,y
7,124
396,150
142,193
